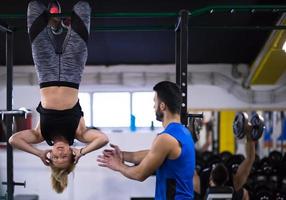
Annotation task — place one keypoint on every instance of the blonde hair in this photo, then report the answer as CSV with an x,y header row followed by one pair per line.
x,y
59,177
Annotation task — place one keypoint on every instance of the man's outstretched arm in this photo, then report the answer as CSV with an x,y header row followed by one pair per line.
x,y
159,151
134,157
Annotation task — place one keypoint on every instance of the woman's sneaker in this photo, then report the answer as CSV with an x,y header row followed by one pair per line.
x,y
55,22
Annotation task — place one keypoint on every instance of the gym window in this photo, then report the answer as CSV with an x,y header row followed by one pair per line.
x,y
85,103
111,109
143,109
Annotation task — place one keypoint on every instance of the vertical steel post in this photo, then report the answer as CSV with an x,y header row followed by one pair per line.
x,y
9,118
177,53
181,56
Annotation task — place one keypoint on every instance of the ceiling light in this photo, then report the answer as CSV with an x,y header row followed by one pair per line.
x,y
284,47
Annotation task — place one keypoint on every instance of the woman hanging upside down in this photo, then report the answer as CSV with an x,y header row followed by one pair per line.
x,y
59,50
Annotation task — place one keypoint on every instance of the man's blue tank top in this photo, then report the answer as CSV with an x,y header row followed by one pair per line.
x,y
179,171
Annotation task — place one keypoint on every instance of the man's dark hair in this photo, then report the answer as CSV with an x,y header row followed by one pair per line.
x,y
169,93
219,174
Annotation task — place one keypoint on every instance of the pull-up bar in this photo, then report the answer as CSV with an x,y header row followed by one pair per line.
x,y
163,27
192,13
116,15
239,8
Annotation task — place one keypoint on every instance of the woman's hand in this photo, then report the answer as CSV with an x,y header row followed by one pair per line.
x,y
43,154
77,154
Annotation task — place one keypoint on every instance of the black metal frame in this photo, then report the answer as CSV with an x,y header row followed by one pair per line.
x,y
9,118
9,113
181,56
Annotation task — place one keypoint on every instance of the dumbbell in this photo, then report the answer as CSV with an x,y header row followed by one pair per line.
x,y
255,127
280,195
264,195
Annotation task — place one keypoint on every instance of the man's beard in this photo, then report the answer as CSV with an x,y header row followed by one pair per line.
x,y
159,115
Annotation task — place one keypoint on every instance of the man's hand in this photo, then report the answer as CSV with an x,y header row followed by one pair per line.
x,y
111,158
44,157
116,150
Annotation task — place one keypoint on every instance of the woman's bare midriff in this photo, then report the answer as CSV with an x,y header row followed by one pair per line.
x,y
58,98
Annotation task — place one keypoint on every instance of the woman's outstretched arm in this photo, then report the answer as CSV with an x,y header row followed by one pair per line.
x,y
24,141
93,138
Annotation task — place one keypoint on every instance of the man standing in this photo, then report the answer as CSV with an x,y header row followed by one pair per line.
x,y
172,154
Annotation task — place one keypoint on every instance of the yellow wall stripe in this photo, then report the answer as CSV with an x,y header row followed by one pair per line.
x,y
271,68
272,64
226,136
